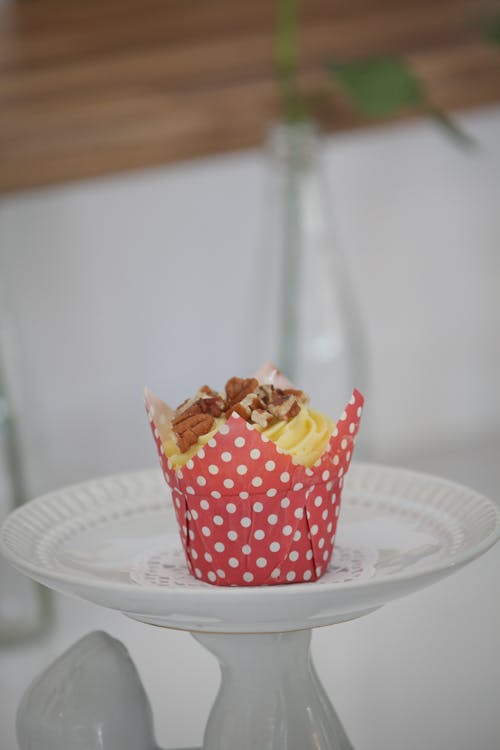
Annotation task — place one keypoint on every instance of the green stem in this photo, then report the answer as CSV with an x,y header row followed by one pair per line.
x,y
286,58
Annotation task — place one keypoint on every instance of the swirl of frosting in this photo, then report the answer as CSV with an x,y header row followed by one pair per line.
x,y
305,436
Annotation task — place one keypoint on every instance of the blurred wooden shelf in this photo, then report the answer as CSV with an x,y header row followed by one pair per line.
x,y
94,87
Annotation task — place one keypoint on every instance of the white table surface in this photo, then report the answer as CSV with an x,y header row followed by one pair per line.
x,y
421,672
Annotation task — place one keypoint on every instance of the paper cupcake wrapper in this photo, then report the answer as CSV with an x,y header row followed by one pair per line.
x,y
248,514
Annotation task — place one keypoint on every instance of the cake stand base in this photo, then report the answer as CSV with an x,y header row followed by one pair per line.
x,y
270,697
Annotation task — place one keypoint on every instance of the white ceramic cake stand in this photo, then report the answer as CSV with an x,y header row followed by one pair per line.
x,y
114,542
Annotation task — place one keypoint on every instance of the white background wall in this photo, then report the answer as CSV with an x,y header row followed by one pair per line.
x,y
106,285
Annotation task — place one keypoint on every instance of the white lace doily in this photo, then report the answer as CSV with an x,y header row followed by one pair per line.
x,y
168,568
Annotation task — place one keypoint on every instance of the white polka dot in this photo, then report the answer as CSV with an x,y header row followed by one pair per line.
x,y
321,543
228,483
341,471
246,549
191,534
324,515
248,577
325,476
290,576
294,555
218,520
298,486
216,494
348,455
318,500
297,536
318,570
242,469
276,573
258,507
359,411
329,486
221,573
232,535
204,504
259,534
213,469
244,495
261,562
287,530
190,490
212,576
352,427
329,527
285,476
201,453
197,572
190,463
177,502
332,539
270,465
233,562
325,555
309,554
231,508
184,531
343,416
205,531
246,522
208,556
272,519
224,429
212,442
239,442
343,444
309,472
285,502
337,510
194,554
265,439
257,481
274,546
188,515
226,456
307,575
314,529
299,513
219,547
335,432
336,460
201,481
255,453
271,492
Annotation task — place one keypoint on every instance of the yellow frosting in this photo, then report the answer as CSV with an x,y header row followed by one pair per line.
x,y
305,437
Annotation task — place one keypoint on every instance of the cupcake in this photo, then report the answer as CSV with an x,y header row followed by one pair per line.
x,y
256,476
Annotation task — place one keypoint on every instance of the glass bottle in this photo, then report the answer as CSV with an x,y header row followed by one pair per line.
x,y
319,335
24,606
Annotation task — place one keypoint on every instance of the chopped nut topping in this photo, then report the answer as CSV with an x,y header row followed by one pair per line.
x,y
187,428
262,405
237,389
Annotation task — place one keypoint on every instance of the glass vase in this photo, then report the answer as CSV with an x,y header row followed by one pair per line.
x,y
319,342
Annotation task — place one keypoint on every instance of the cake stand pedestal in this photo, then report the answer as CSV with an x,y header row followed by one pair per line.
x,y
114,542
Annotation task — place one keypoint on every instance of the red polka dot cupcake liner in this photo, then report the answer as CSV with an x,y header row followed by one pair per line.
x,y
248,514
